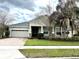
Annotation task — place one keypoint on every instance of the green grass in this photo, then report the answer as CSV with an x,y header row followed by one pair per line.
x,y
50,52
37,42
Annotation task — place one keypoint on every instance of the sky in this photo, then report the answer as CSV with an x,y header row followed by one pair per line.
x,y
25,10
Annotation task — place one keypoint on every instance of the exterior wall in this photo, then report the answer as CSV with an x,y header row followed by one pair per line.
x,y
69,35
19,27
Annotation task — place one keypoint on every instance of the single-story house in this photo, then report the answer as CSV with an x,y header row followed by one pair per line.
x,y
32,28
29,29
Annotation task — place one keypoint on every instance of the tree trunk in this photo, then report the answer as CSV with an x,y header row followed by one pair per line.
x,y
61,31
64,33
50,32
68,25
50,28
72,32
54,31
71,25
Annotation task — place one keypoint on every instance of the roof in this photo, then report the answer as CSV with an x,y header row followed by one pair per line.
x,y
40,21
26,24
38,17
23,24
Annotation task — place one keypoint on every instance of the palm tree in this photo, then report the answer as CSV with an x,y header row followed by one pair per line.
x,y
69,12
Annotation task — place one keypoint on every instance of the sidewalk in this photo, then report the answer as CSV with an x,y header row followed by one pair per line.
x,y
16,54
57,58
11,54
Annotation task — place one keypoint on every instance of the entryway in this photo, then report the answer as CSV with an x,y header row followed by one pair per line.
x,y
35,31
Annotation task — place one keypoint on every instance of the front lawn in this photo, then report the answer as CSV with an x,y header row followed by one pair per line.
x,y
35,53
38,42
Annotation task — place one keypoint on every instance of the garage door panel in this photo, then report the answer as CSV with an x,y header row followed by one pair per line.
x,y
19,33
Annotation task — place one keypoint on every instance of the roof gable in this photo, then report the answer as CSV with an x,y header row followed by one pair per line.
x,y
41,20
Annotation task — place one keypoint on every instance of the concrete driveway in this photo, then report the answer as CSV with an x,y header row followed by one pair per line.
x,y
12,41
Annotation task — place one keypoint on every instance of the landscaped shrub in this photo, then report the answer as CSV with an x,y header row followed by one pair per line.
x,y
7,32
67,32
40,35
58,33
77,34
74,38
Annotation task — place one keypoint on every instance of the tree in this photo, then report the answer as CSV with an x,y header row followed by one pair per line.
x,y
54,20
67,15
64,16
5,18
47,11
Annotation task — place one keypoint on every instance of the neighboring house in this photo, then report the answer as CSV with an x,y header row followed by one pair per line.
x,y
33,28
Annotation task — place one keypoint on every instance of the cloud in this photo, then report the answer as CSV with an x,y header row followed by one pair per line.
x,y
24,10
77,3
29,4
4,8
21,15
41,5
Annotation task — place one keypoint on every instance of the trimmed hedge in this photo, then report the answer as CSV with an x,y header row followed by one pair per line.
x,y
40,35
74,38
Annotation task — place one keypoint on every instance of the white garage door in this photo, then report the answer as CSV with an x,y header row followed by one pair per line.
x,y
19,33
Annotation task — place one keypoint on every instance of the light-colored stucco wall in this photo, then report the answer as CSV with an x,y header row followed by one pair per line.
x,y
23,27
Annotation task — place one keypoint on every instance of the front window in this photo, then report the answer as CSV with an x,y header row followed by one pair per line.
x,y
45,30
